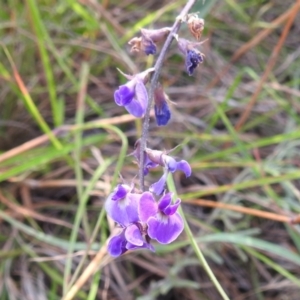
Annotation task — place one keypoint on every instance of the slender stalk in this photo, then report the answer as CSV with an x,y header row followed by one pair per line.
x,y
196,247
154,81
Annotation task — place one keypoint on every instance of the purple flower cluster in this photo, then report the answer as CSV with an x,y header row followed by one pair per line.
x,y
142,218
150,215
133,95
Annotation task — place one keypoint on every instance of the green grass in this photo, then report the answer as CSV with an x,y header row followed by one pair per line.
x,y
58,73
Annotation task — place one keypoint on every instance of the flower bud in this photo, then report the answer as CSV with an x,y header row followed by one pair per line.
x,y
148,39
161,108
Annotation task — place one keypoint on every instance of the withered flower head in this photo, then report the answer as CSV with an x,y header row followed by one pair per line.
x,y
147,41
193,57
196,25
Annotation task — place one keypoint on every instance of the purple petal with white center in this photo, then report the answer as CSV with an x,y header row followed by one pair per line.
x,y
159,186
117,245
185,167
147,206
133,235
125,211
165,229
120,192
124,95
165,201
171,209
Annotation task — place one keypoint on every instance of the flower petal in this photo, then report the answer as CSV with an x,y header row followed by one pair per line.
x,y
120,192
155,156
149,164
135,108
170,163
185,167
166,229
159,186
148,45
138,105
165,201
171,209
117,245
125,211
130,246
133,235
147,206
141,94
193,58
124,95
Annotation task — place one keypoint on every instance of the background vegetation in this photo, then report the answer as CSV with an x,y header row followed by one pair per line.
x,y
63,143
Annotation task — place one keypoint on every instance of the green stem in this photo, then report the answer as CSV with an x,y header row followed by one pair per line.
x,y
193,242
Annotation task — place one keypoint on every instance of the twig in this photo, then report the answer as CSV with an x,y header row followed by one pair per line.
x,y
154,81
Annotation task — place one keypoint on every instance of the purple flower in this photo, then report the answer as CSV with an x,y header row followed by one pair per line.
x,y
164,222
130,238
133,95
192,60
193,57
161,108
121,205
169,164
148,39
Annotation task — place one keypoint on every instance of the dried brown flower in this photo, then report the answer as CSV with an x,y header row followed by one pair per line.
x,y
196,25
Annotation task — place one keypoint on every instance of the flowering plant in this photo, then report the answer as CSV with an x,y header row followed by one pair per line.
x,y
150,214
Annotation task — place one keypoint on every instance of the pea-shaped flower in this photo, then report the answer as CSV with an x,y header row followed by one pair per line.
x,y
193,57
121,205
133,95
170,165
164,222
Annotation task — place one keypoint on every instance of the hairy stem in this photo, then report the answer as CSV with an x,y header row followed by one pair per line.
x,y
154,81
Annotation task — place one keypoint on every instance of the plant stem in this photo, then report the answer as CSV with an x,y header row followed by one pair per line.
x,y
195,245
154,81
